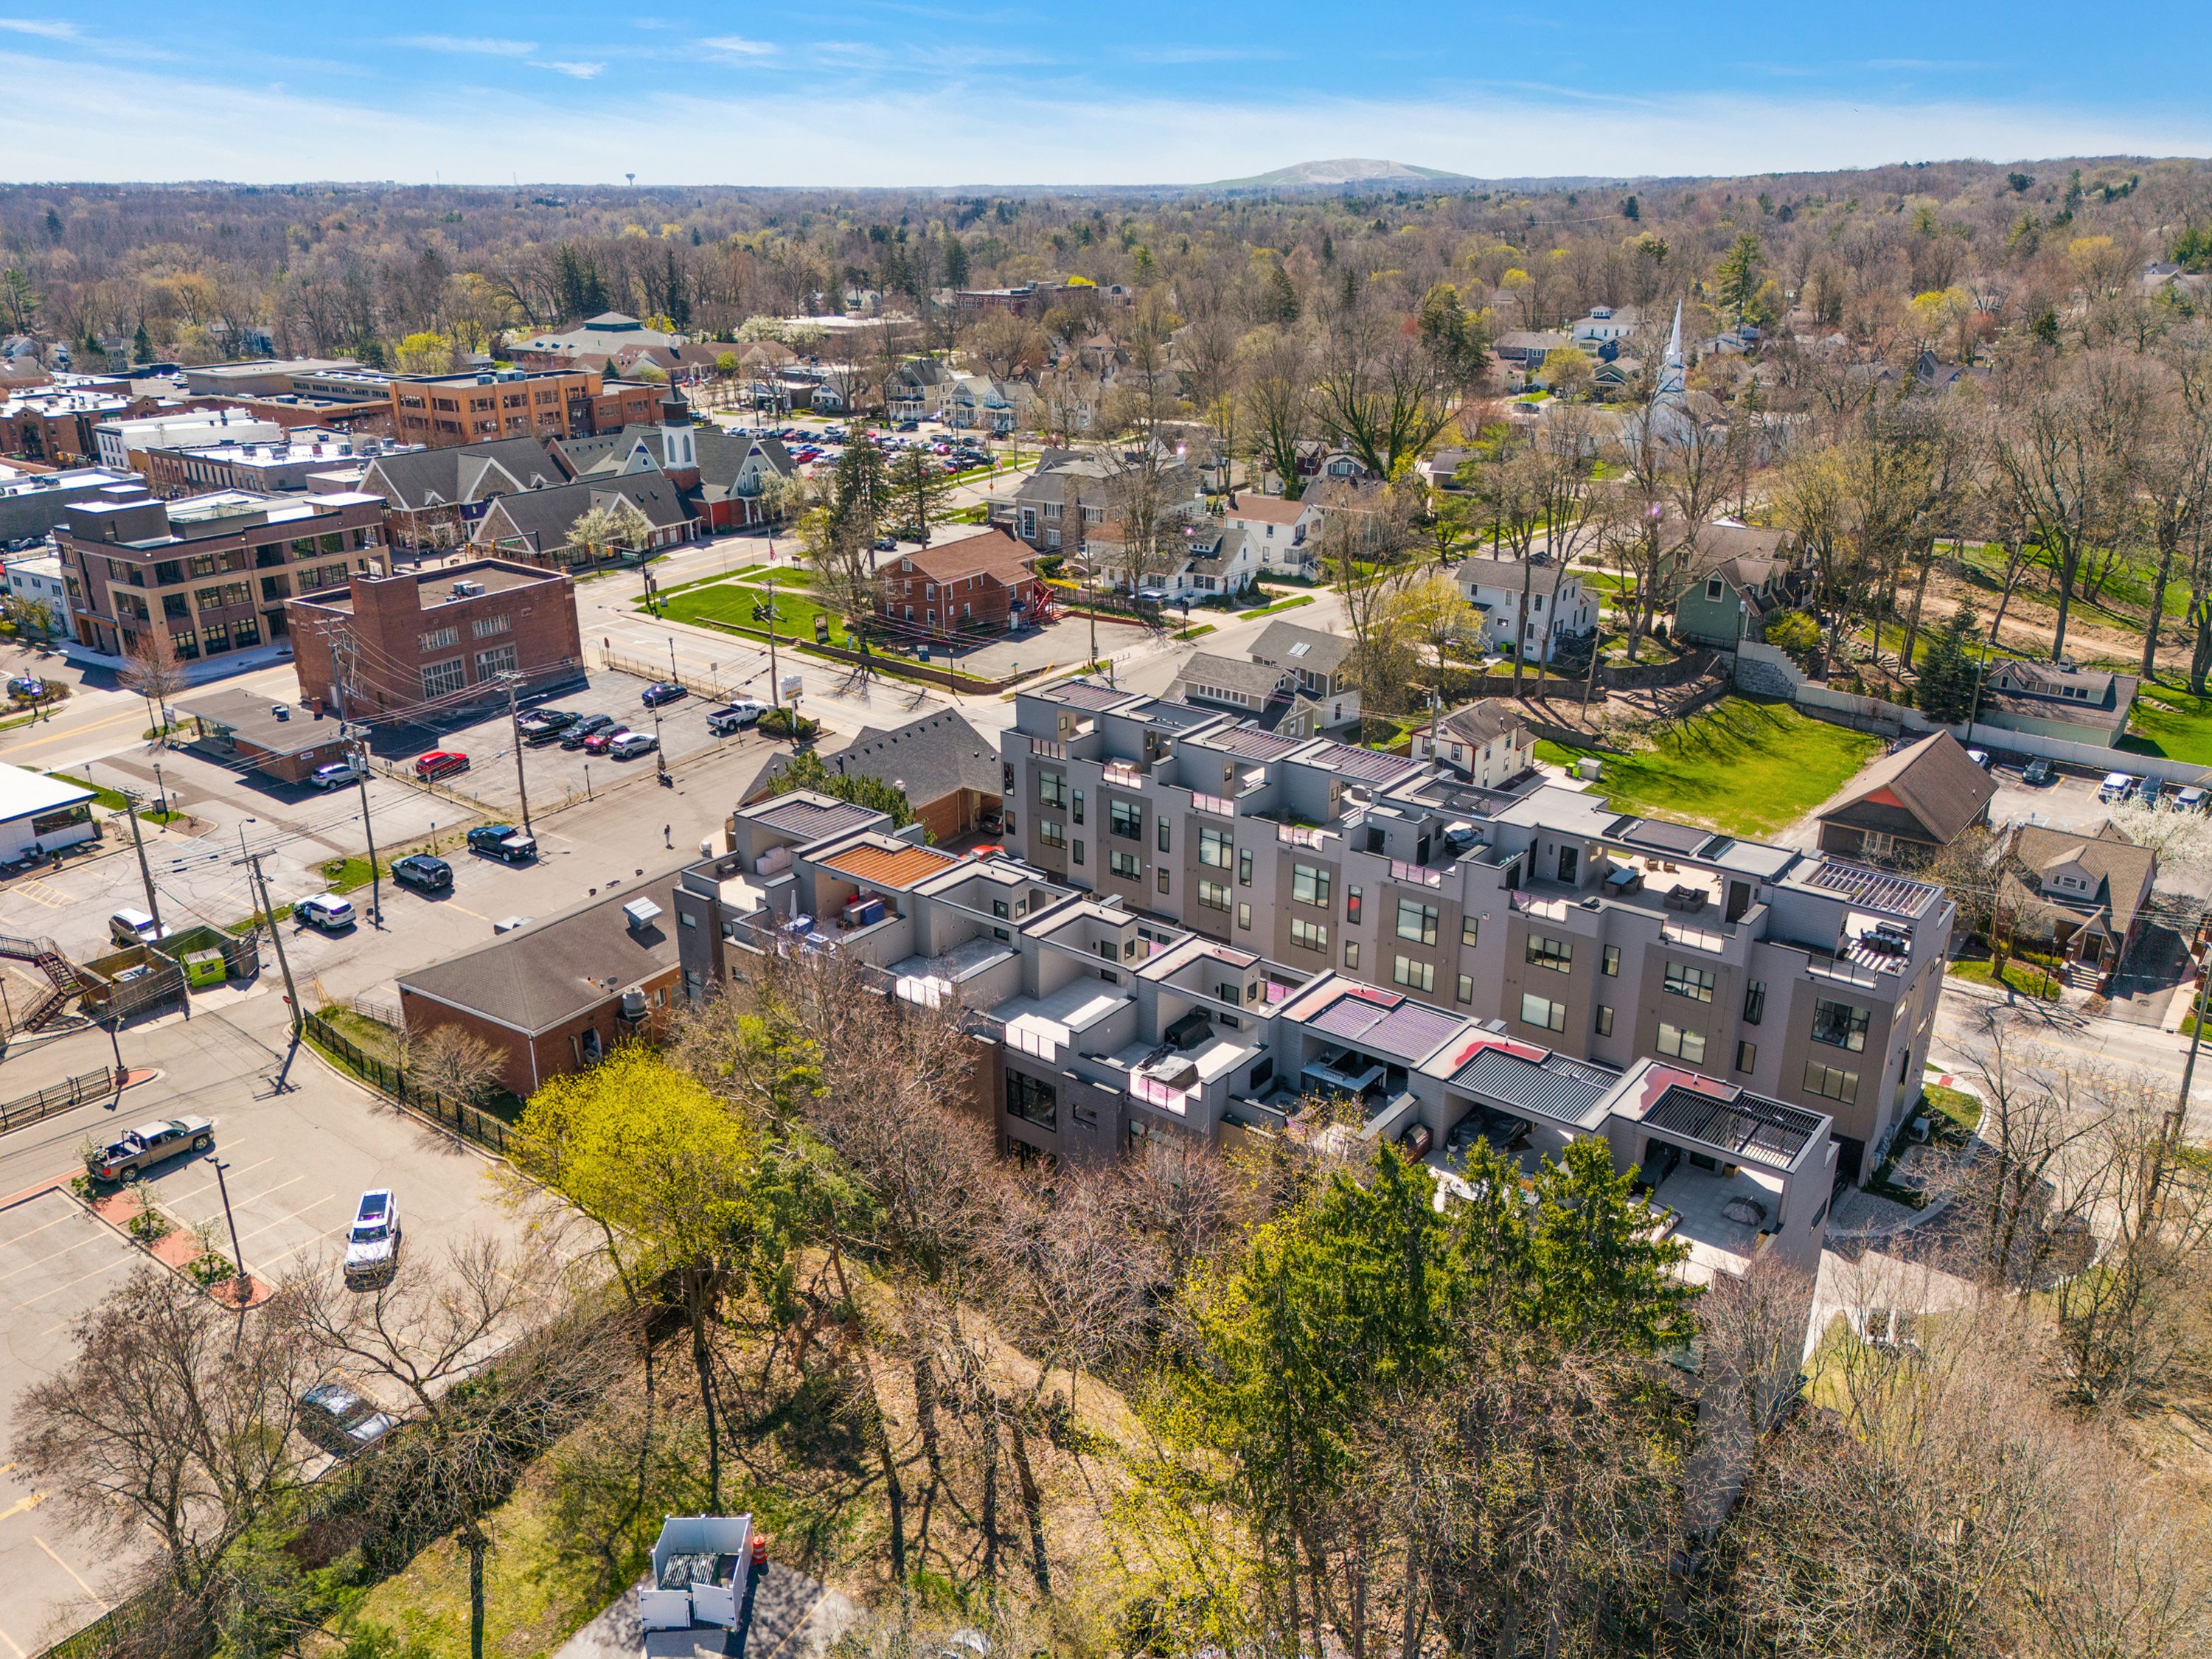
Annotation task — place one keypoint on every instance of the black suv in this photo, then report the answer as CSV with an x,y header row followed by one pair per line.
x,y
544,724
582,727
420,870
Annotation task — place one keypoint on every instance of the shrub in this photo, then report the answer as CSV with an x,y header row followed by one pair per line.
x,y
1793,631
149,1227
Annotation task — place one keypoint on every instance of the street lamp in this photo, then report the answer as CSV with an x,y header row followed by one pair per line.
x,y
238,1259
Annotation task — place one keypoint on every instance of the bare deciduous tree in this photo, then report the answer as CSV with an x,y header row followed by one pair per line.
x,y
452,1061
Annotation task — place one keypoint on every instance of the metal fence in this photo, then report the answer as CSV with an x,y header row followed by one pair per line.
x,y
17,1114
381,1074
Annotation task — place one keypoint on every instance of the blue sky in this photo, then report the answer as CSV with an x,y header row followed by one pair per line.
x,y
927,92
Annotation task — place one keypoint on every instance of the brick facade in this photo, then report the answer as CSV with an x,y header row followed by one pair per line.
x,y
394,641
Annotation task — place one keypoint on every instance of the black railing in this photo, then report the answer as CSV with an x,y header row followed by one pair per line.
x,y
387,1078
59,1098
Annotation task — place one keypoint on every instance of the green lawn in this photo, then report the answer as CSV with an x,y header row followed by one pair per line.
x,y
2173,721
1745,766
2020,978
1279,605
730,605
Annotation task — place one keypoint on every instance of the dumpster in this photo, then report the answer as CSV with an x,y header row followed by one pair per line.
x,y
204,968
241,955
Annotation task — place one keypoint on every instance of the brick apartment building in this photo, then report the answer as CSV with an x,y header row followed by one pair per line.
x,y
441,411
393,642
972,585
214,571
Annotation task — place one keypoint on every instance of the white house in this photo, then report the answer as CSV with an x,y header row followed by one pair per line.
x,y
1283,532
1320,662
1560,608
1217,560
1487,740
37,811
1605,324
978,401
38,577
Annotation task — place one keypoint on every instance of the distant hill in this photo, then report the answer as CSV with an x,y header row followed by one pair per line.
x,y
1343,172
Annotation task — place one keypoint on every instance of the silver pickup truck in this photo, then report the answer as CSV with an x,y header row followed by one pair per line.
x,y
734,717
147,1144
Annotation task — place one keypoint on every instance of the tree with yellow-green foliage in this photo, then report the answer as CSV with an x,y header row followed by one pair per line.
x,y
680,1186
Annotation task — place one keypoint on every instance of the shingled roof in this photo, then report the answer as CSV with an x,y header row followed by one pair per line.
x,y
1934,779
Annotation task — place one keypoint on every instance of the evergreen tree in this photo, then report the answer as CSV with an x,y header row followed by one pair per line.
x,y
955,262
805,770
1280,303
1945,688
142,344
1741,271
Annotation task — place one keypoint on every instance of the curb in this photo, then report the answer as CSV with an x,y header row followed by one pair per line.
x,y
307,1046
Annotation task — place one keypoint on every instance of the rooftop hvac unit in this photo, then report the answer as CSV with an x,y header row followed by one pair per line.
x,y
467,590
642,912
633,1005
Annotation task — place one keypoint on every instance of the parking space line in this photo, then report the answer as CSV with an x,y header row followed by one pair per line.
x,y
303,1244
14,1643
209,1187
281,1219
123,1260
465,911
10,1243
72,1572
43,1260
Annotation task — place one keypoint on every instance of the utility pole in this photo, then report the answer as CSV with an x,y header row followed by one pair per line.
x,y
237,1258
514,723
268,912
145,875
774,694
375,882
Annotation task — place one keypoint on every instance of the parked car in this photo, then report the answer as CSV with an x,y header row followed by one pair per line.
x,y
597,742
335,775
149,1143
422,872
325,911
341,1420
2117,785
580,730
664,691
2039,773
372,1253
1980,757
544,724
128,927
2150,790
502,841
735,717
441,762
629,745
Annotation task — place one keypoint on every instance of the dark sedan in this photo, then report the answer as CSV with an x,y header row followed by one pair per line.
x,y
666,691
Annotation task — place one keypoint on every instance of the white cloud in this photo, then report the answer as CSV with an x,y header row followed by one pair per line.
x,y
736,45
569,67
46,28
478,46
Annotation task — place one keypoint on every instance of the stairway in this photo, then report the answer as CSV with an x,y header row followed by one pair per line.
x,y
61,973
2080,975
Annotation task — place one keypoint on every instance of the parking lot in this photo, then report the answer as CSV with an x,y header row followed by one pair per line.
x,y
2071,803
295,1164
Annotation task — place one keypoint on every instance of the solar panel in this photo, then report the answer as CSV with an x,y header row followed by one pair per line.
x,y
1367,765
1658,834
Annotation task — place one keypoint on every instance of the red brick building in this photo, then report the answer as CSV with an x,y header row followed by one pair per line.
x,y
475,407
974,585
553,996
444,636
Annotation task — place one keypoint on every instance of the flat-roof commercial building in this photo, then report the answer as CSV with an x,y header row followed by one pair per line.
x,y
287,464
213,572
439,411
41,813
237,727
390,643
34,504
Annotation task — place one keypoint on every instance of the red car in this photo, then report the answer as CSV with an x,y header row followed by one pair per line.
x,y
598,742
438,763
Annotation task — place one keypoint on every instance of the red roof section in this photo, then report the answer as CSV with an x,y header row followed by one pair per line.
x,y
991,553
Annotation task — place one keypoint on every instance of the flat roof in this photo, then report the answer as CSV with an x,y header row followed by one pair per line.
x,y
900,866
24,792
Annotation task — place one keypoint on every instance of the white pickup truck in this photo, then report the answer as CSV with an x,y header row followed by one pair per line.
x,y
734,717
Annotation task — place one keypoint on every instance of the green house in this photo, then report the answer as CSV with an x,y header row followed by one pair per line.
x,y
1745,578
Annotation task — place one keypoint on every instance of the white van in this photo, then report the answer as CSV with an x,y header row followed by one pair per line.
x,y
135,927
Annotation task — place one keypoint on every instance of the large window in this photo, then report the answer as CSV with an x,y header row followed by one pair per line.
x,y
1417,922
1414,975
1244,867
1683,981
1609,965
500,659
1051,789
1052,832
441,679
1547,1013
1470,929
1032,1100
1830,1082
437,640
1126,818
1604,1020
1687,1046
486,627
1556,954
1755,1002
1309,885
1127,866
1214,895
1309,935
1214,847
1839,1025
